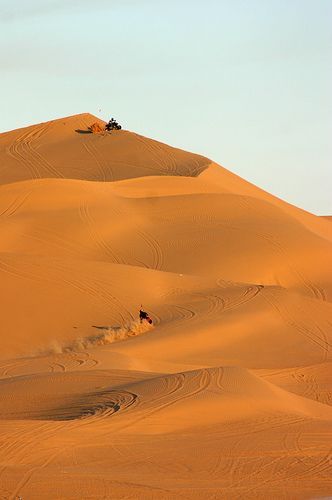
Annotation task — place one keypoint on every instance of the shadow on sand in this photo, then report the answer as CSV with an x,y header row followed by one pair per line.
x,y
106,327
79,131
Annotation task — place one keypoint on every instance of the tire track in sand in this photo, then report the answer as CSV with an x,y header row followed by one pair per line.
x,y
23,151
17,151
94,153
246,295
20,448
155,249
316,291
15,205
320,339
93,289
200,381
155,154
95,235
19,444
216,303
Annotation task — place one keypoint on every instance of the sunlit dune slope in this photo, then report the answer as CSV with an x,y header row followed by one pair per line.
x,y
311,381
64,148
153,404
227,394
169,232
82,244
106,247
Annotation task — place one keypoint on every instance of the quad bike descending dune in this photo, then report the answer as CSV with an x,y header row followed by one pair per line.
x,y
143,315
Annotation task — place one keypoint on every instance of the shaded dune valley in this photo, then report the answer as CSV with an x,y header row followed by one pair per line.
x,y
227,395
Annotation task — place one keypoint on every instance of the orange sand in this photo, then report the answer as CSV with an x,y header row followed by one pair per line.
x,y
228,395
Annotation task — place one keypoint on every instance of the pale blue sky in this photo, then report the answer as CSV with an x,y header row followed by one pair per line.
x,y
246,83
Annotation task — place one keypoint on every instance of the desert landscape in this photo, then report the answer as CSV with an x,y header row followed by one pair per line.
x,y
227,395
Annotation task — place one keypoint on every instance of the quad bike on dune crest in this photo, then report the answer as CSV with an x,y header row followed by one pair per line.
x,y
144,316
112,125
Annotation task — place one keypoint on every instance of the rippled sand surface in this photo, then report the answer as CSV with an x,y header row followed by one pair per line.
x,y
227,395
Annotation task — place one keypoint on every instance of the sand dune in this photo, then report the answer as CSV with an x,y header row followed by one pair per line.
x,y
158,404
228,395
64,148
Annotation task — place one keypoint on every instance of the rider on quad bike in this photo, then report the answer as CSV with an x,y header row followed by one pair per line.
x,y
144,315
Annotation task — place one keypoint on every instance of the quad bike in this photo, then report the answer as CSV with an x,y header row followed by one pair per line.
x,y
144,316
112,125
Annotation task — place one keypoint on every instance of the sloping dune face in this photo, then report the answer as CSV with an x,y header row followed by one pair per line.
x,y
227,394
65,149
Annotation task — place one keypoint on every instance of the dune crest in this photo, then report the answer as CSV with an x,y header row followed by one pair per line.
x,y
227,395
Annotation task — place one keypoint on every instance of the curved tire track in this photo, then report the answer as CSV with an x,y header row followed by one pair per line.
x,y
23,150
87,219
